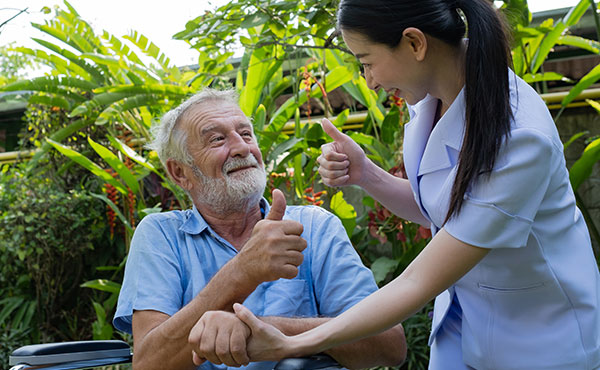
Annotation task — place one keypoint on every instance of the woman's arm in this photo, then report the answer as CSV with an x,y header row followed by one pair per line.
x,y
343,162
444,261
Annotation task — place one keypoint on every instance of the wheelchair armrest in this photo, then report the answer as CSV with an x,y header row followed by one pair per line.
x,y
109,351
320,361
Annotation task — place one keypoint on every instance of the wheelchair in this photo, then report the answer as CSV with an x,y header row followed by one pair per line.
x,y
94,353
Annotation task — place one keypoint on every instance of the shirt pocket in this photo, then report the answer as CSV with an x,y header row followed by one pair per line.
x,y
288,298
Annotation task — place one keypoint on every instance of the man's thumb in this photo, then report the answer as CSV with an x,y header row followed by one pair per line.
x,y
331,130
277,207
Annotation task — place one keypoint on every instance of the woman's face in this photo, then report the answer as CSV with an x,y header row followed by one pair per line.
x,y
395,70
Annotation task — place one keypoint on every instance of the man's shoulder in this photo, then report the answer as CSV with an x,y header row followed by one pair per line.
x,y
176,215
305,212
174,218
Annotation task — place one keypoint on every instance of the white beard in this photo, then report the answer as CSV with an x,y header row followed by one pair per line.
x,y
234,192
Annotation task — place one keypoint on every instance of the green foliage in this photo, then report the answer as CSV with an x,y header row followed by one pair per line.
x,y
288,23
13,65
47,238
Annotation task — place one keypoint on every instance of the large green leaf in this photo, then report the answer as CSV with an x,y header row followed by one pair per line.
x,y
260,70
59,86
125,149
580,42
381,267
546,76
582,168
115,163
103,285
283,147
585,82
58,64
51,101
576,12
150,49
88,164
121,49
115,209
96,74
345,211
112,94
390,125
573,138
546,46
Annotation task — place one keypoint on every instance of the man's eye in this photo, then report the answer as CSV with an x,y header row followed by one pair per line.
x,y
217,138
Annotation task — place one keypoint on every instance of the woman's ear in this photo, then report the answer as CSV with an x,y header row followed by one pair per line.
x,y
178,173
417,42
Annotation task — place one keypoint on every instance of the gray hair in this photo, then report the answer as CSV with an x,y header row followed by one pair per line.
x,y
170,142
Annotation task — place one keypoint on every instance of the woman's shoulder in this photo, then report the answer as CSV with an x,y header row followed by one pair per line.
x,y
530,112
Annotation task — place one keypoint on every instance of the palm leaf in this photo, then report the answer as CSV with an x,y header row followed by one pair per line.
x,y
150,49
96,74
116,164
88,164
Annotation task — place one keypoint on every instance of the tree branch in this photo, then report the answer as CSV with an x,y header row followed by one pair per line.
x,y
259,45
13,17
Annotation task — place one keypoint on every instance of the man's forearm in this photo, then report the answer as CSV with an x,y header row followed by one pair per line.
x,y
385,349
164,344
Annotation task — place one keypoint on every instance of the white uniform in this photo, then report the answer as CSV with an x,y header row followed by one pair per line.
x,y
534,301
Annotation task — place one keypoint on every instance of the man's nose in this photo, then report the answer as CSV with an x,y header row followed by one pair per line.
x,y
239,147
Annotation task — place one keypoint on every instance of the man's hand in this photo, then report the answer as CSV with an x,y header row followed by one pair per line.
x,y
275,248
219,337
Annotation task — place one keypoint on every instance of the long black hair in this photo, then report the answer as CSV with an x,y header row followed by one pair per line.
x,y
488,113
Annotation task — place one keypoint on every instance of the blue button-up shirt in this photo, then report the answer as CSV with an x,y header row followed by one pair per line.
x,y
174,255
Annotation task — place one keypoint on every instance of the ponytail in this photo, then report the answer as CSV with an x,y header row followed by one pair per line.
x,y
488,113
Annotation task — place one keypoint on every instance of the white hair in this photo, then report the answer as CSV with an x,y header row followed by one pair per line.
x,y
170,141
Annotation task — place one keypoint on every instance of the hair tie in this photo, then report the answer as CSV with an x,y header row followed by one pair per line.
x,y
463,17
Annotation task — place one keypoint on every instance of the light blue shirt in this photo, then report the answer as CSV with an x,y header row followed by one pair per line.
x,y
174,254
534,301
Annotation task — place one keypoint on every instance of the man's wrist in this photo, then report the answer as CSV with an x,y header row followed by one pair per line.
x,y
240,277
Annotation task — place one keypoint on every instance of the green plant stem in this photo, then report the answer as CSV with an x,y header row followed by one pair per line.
x,y
596,19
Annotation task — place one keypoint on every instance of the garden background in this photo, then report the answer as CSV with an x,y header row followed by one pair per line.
x,y
78,179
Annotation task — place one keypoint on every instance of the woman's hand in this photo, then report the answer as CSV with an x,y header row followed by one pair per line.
x,y
342,162
266,343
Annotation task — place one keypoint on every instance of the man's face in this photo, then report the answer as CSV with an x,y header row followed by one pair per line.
x,y
227,161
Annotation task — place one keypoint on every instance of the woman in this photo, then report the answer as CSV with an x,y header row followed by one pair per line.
x,y
510,262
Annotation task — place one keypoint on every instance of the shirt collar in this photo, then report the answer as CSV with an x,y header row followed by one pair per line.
x,y
447,133
452,124
196,224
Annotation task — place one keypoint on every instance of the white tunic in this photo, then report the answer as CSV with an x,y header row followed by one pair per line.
x,y
534,301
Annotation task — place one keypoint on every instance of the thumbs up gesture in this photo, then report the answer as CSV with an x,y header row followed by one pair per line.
x,y
275,247
277,210
342,162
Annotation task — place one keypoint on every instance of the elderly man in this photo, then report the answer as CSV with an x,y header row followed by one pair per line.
x,y
292,266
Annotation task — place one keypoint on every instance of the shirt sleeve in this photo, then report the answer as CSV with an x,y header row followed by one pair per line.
x,y
499,209
340,279
152,275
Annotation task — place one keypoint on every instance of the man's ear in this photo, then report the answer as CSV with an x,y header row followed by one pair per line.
x,y
417,42
178,173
